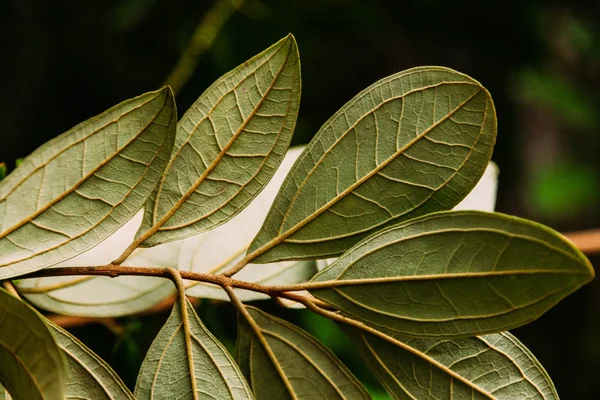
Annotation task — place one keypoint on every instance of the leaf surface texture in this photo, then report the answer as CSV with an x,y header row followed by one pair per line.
x,y
411,144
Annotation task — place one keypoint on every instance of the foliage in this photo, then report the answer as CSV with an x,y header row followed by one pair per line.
x,y
425,293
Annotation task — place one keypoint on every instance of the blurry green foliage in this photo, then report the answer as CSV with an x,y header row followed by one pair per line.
x,y
560,95
564,190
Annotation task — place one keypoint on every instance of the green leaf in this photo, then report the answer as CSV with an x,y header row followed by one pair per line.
x,y
219,249
411,144
87,375
304,368
100,296
2,170
495,366
210,252
457,273
228,145
4,394
31,366
79,188
189,364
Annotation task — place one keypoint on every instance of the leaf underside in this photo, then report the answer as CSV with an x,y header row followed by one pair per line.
x,y
31,366
79,188
100,296
88,377
308,370
411,144
453,274
228,145
494,366
165,372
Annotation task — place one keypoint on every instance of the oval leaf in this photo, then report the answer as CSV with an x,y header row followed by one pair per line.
x,y
457,273
166,372
495,366
228,146
305,368
411,144
79,188
87,375
31,366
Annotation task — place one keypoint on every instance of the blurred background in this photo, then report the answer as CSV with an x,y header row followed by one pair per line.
x,y
64,61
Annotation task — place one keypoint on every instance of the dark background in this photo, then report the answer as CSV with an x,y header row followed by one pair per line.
x,y
65,61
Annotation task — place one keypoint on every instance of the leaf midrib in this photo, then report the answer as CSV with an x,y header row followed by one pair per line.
x,y
402,317
85,137
158,225
509,236
307,358
317,285
122,201
523,374
283,236
398,152
241,186
81,181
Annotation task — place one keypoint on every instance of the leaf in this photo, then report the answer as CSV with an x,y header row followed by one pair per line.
x,y
219,249
166,372
99,296
2,170
30,363
482,198
87,375
209,252
4,394
411,144
452,274
228,146
305,369
495,366
79,188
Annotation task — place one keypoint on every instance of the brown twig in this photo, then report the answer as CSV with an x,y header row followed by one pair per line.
x,y
201,40
10,288
588,241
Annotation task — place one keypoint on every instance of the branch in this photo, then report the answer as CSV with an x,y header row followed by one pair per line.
x,y
201,40
587,241
10,288
114,271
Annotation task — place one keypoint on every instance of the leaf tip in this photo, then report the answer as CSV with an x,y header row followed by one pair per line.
x,y
165,91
